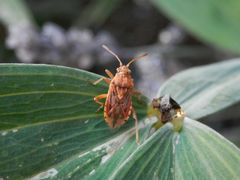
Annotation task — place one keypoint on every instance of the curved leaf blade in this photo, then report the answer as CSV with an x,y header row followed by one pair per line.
x,y
196,152
202,152
116,159
48,117
205,90
149,159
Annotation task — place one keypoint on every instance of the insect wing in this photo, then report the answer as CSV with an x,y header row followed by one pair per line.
x,y
117,111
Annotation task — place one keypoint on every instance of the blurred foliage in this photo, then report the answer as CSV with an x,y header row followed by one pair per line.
x,y
213,21
14,12
97,12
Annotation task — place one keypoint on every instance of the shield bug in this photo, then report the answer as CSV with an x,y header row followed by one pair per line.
x,y
118,105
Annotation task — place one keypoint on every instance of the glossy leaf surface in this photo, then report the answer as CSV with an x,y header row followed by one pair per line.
x,y
205,90
195,152
48,118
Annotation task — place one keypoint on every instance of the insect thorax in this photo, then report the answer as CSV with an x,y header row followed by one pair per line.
x,y
123,80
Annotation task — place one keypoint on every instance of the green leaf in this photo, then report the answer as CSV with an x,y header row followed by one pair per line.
x,y
49,130
213,21
205,90
118,152
196,152
49,124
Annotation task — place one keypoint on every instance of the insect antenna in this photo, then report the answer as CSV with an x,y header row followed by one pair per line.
x,y
137,58
106,48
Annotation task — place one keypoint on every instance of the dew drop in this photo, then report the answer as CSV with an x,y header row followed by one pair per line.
x,y
4,133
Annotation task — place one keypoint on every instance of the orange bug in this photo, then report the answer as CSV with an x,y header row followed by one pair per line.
x,y
118,105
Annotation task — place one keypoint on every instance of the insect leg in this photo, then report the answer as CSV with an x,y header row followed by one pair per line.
x,y
107,80
136,125
109,73
99,97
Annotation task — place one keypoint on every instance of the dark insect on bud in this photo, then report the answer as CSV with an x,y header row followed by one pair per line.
x,y
167,110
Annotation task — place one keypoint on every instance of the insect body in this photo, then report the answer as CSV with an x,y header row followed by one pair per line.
x,y
118,105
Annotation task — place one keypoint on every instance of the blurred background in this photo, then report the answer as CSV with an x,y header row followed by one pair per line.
x,y
176,34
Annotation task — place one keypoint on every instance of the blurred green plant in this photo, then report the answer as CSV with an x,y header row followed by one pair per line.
x,y
97,12
50,128
15,12
213,21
